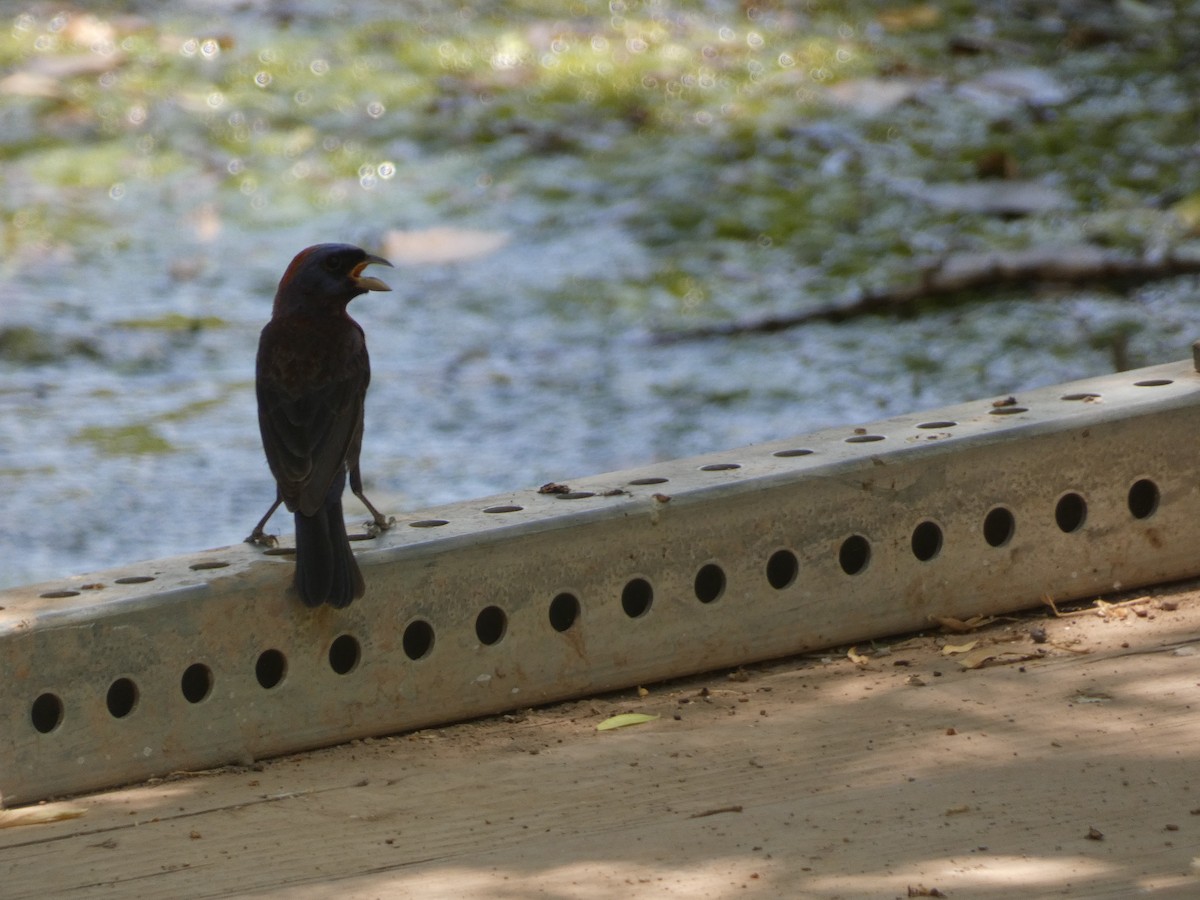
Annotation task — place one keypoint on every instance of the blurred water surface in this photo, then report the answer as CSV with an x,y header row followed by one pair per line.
x,y
558,184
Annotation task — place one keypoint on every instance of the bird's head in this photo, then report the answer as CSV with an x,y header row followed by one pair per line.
x,y
327,275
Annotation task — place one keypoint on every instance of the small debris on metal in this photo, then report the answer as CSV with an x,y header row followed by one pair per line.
x,y
736,808
921,891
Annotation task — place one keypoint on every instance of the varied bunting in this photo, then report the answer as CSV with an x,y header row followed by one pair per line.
x,y
311,380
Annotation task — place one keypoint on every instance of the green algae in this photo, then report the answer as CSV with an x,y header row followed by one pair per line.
x,y
174,322
123,440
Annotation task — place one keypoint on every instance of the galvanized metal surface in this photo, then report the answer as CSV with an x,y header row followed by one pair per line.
x,y
624,579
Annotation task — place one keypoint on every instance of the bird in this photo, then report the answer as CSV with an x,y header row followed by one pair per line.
x,y
311,377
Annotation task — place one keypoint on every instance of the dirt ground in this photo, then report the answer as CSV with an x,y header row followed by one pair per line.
x,y
1034,756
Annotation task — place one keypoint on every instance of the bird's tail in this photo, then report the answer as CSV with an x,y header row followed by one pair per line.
x,y
325,568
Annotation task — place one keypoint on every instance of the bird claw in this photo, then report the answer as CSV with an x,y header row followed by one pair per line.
x,y
378,526
262,539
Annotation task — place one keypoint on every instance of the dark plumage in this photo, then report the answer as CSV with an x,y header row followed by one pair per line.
x,y
311,380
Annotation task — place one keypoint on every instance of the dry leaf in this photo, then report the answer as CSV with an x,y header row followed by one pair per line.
x,y
952,649
857,658
38,815
962,626
623,720
977,658
1091,696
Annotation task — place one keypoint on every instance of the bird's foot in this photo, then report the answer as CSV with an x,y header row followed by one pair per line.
x,y
379,525
261,539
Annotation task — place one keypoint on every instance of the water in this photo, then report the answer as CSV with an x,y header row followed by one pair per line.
x,y
146,221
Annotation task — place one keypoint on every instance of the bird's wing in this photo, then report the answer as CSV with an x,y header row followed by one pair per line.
x,y
310,411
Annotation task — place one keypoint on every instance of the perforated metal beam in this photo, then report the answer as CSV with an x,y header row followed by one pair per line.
x,y
626,578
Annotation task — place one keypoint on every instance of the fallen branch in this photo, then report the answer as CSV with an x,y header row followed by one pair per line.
x,y
950,276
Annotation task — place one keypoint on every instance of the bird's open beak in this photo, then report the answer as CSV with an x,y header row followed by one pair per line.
x,y
367,282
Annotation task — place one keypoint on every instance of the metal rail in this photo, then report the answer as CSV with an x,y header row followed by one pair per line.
x,y
621,579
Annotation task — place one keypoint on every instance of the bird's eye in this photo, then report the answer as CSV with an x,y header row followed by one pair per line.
x,y
334,263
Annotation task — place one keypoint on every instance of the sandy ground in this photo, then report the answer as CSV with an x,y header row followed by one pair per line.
x,y
1034,756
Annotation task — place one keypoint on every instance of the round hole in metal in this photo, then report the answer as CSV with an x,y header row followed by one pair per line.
x,y
270,668
564,612
1153,382
59,595
999,525
854,554
196,683
945,424
121,698
46,714
490,625
782,569
787,454
1082,395
133,579
1070,512
575,495
418,639
865,438
208,564
1143,498
720,467
344,654
280,551
709,583
655,480
506,508
428,523
636,597
926,540
1007,410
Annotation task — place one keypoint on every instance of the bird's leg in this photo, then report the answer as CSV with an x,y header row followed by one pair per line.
x,y
380,523
257,536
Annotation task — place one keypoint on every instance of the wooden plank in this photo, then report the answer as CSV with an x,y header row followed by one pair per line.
x,y
812,777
